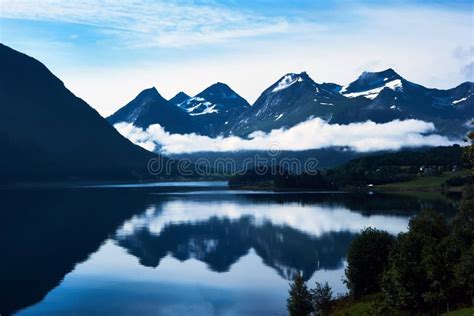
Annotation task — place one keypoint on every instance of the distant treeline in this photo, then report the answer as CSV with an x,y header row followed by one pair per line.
x,y
377,169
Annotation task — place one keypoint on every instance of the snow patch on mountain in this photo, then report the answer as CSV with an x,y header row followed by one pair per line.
x,y
209,108
461,100
198,106
371,94
287,81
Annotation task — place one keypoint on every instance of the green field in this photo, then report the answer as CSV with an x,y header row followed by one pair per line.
x,y
423,183
369,305
461,312
360,308
364,306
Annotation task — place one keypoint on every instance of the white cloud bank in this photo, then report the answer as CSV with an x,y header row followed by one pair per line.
x,y
312,134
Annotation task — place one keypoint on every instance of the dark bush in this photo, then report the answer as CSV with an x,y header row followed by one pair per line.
x,y
455,181
366,258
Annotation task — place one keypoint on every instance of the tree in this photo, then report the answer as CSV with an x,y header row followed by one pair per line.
x,y
366,258
431,266
468,154
321,298
461,246
417,276
299,302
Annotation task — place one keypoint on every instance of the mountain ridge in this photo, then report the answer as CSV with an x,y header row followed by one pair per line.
x,y
379,96
149,108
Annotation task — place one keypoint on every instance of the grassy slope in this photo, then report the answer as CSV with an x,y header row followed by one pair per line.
x,y
367,306
425,183
461,312
360,308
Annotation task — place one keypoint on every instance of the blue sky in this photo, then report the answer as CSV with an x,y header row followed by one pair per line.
x,y
108,51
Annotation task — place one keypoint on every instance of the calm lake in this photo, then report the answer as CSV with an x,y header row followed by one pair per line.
x,y
179,249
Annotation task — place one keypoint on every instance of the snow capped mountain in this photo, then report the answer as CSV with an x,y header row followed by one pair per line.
x,y
208,113
371,94
292,99
179,98
218,98
295,97
392,97
215,107
148,108
370,84
221,93
287,81
377,96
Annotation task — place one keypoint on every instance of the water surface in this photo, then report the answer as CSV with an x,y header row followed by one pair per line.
x,y
179,251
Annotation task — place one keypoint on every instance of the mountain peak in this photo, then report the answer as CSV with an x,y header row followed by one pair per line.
x,y
290,79
180,97
370,84
151,90
149,93
220,85
303,75
219,88
390,71
387,73
221,93
149,108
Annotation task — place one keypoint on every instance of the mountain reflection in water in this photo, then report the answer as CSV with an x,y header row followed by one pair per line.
x,y
53,241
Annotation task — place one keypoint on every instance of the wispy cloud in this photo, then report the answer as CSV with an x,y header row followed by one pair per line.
x,y
151,23
466,57
312,134
186,45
